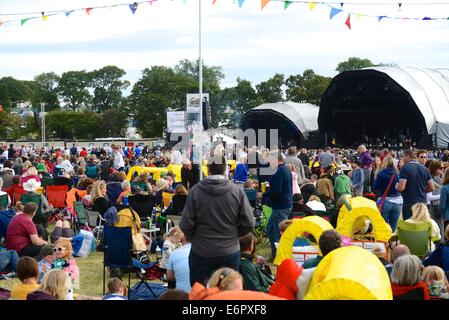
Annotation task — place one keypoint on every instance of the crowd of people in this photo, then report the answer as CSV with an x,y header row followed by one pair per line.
x,y
210,248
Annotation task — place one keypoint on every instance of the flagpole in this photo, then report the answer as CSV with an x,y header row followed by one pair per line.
x,y
200,72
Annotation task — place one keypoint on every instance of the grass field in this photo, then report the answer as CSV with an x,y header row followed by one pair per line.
x,y
91,274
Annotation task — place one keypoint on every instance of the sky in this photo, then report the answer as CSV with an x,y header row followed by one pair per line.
x,y
246,42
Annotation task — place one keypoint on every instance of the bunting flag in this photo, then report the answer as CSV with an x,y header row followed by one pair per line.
x,y
427,18
380,18
44,17
23,21
287,4
241,3
348,22
334,12
213,2
312,5
67,13
264,3
151,2
133,7
88,10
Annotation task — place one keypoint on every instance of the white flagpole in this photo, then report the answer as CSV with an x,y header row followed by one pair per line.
x,y
201,92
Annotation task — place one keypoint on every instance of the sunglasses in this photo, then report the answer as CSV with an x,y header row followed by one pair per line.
x,y
58,249
423,156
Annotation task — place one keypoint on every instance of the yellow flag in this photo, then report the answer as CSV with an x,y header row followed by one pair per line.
x,y
312,5
44,17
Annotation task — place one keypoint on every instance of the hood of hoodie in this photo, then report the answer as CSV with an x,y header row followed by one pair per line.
x,y
214,187
8,169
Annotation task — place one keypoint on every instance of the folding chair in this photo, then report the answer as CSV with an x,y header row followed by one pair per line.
x,y
56,196
118,257
4,201
97,222
252,196
416,236
81,220
141,184
46,181
17,193
40,217
143,204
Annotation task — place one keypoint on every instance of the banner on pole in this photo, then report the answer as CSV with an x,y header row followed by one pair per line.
x,y
176,122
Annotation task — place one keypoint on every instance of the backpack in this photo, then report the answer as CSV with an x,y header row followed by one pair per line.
x,y
92,171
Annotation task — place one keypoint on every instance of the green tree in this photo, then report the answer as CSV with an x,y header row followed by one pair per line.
x,y
46,85
353,63
107,85
13,91
67,124
9,126
114,122
271,90
73,88
308,87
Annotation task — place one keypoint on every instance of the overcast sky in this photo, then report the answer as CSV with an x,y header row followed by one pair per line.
x,y
246,42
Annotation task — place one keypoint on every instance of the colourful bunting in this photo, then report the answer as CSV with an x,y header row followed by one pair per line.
x,y
380,18
44,17
88,10
427,18
23,21
264,3
241,3
67,13
348,22
133,7
312,5
213,2
151,2
334,12
287,4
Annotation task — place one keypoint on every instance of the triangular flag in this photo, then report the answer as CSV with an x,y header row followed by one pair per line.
x,y
380,18
133,7
22,22
151,2
213,2
67,13
334,12
264,3
312,5
88,10
241,3
44,17
348,22
427,18
287,4
334,142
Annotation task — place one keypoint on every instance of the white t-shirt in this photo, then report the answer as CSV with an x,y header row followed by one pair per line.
x,y
118,160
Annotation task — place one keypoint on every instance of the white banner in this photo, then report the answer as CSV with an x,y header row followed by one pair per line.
x,y
176,121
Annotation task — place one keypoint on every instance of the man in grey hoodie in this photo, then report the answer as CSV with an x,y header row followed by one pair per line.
x,y
217,213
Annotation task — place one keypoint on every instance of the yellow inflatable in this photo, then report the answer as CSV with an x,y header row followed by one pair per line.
x,y
350,273
362,208
313,224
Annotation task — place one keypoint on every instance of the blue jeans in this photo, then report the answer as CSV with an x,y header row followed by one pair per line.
x,y
391,212
8,261
201,268
273,232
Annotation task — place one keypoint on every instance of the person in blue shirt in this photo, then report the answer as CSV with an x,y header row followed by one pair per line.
x,y
357,178
241,171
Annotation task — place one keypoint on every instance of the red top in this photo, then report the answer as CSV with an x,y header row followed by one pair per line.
x,y
400,290
83,153
19,230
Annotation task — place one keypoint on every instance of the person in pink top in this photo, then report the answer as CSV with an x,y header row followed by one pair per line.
x,y
295,185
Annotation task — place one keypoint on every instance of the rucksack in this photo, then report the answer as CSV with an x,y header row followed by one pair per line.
x,y
92,171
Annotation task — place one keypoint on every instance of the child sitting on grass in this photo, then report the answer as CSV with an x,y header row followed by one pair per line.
x,y
116,290
28,272
172,240
46,261
64,260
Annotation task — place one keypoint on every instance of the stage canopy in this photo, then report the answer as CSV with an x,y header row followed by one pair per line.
x,y
294,121
389,105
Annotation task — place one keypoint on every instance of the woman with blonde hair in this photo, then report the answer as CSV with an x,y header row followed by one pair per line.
x,y
98,199
226,279
55,286
436,281
420,213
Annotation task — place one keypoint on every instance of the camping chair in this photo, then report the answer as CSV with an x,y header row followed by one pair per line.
x,y
56,196
252,197
17,193
141,184
166,198
81,221
40,217
143,204
4,201
46,181
96,222
261,225
118,257
178,203
439,257
416,236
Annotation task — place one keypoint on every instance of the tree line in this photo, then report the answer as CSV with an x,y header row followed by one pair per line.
x,y
85,105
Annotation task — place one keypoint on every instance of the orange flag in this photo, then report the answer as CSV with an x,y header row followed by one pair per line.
x,y
264,3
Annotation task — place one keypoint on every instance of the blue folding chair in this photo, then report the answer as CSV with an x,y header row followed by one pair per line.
x,y
252,196
118,257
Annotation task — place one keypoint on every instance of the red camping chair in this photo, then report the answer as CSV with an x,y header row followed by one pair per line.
x,y
56,196
16,193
